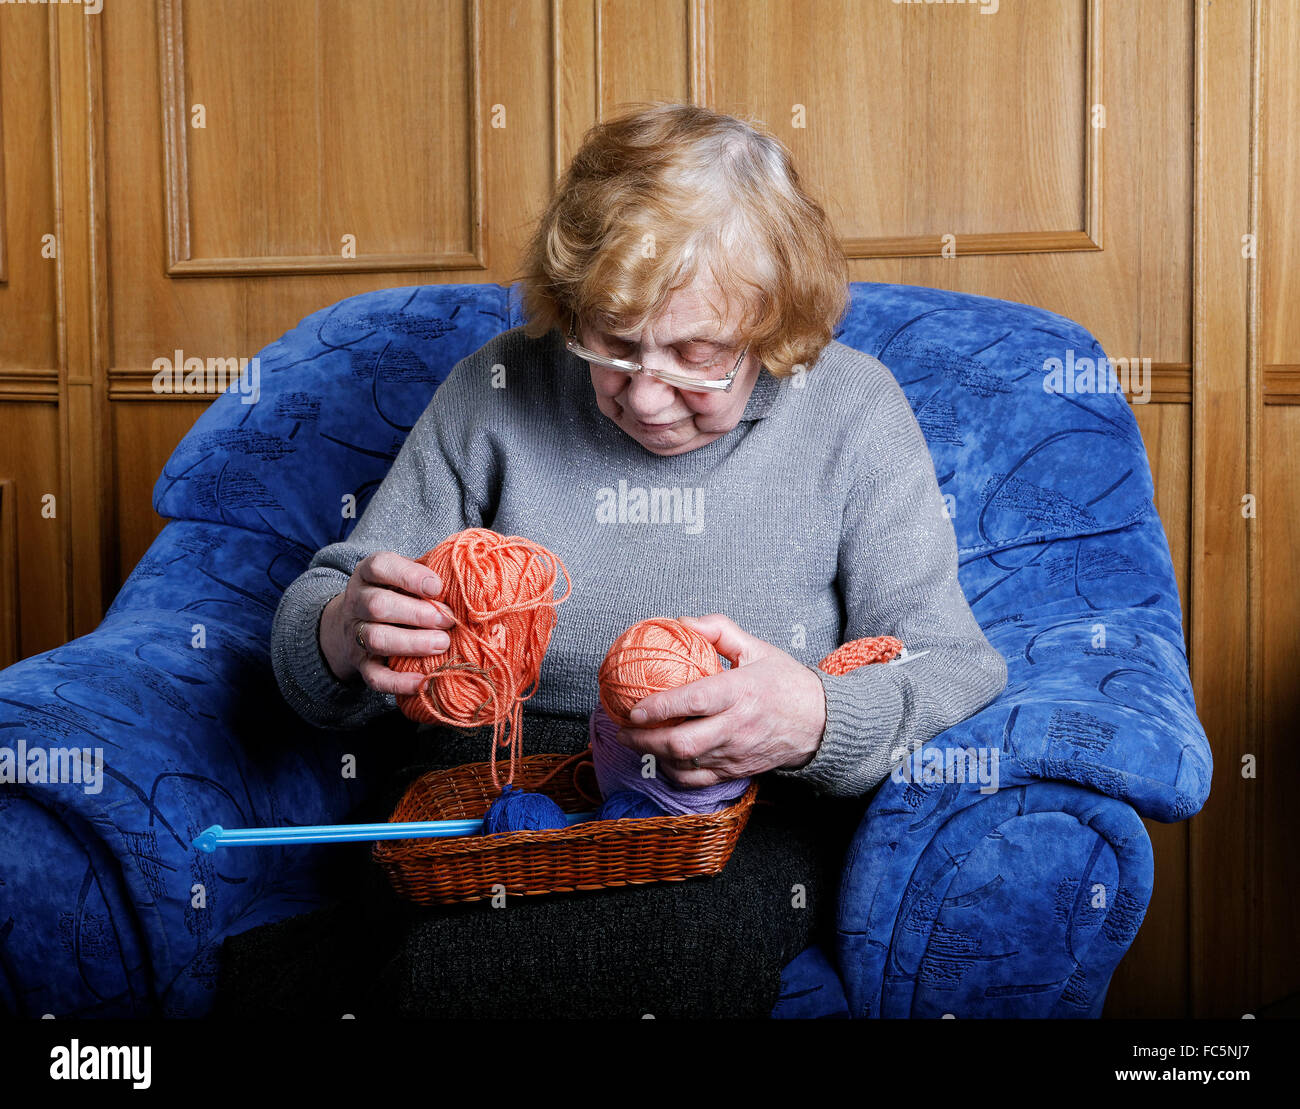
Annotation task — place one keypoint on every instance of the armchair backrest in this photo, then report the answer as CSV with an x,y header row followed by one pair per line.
x,y
341,390
337,395
1017,463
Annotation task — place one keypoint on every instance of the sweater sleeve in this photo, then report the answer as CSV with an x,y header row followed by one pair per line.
x,y
897,574
441,482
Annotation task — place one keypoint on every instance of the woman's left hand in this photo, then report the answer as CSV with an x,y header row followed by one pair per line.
x,y
767,711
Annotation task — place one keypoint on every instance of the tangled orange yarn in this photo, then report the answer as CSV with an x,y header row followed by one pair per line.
x,y
652,655
501,591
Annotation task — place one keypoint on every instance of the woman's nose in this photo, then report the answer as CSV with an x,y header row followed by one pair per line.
x,y
646,394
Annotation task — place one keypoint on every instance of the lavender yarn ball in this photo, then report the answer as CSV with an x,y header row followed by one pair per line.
x,y
618,768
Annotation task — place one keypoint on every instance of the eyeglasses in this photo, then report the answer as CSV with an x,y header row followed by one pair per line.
x,y
683,380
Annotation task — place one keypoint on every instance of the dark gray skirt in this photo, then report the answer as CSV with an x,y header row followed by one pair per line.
x,y
704,947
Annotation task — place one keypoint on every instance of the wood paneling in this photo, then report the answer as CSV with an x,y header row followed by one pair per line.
x,y
1279,240
145,434
1226,406
9,611
28,342
1278,723
4,273
80,169
1135,295
433,130
43,510
333,160
30,446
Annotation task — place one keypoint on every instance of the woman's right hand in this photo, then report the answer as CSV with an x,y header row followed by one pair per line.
x,y
390,599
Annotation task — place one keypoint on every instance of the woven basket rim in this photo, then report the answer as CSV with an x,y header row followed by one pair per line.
x,y
396,852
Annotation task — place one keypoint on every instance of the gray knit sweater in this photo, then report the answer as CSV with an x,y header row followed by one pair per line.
x,y
816,520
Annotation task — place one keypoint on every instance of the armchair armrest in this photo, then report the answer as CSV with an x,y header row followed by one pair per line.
x,y
1006,856
174,696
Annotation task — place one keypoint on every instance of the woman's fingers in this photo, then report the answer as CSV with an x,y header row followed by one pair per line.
x,y
379,677
388,639
705,696
674,746
387,606
397,571
388,609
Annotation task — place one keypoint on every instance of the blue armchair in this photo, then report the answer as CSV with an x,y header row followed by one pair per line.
x,y
1018,901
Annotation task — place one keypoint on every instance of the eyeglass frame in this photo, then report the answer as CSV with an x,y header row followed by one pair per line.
x,y
717,385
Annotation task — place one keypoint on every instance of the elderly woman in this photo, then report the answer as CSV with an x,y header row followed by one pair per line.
x,y
681,291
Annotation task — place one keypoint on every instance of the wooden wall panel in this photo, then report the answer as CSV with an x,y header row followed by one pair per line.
x,y
1135,295
1000,169
146,432
9,603
4,221
347,149
1279,516
1226,403
1279,240
28,337
29,463
1278,752
35,618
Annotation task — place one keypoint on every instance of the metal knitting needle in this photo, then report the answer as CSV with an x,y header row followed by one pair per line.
x,y
211,838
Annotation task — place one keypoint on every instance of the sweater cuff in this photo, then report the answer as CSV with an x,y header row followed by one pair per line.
x,y
863,711
303,674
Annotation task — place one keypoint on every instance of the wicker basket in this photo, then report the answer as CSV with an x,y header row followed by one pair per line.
x,y
587,856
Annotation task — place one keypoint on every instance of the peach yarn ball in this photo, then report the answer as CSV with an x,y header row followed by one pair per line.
x,y
652,655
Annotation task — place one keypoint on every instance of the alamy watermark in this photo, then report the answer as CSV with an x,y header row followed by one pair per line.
x,y
1073,376
100,1062
81,766
179,374
91,7
986,7
948,766
634,504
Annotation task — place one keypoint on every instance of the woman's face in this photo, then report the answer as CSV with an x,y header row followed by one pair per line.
x,y
663,418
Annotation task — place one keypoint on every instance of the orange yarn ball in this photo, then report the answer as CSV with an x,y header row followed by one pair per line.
x,y
501,591
652,655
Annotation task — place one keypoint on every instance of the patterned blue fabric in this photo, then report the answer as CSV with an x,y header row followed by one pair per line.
x,y
1016,902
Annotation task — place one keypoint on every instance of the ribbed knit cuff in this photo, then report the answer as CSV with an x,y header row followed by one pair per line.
x,y
301,670
863,710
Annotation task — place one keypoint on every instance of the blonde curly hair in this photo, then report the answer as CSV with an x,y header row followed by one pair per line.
x,y
663,192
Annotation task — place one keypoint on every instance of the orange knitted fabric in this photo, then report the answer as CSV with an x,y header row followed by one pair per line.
x,y
860,652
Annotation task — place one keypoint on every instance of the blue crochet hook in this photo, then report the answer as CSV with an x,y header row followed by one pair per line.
x,y
210,839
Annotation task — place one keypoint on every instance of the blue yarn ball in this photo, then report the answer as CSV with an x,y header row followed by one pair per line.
x,y
628,804
517,810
